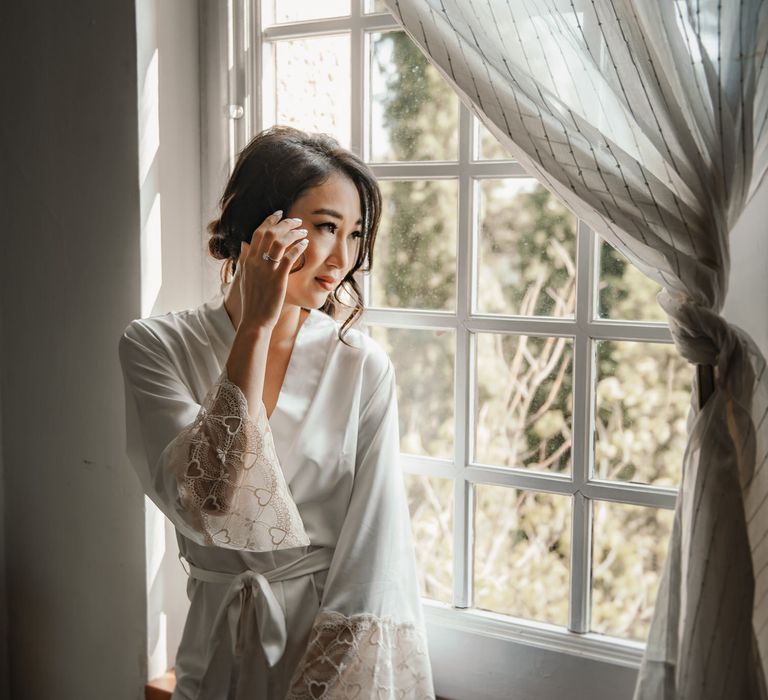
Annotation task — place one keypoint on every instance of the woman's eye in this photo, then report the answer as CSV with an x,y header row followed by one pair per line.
x,y
333,227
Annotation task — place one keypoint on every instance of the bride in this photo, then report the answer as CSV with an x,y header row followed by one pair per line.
x,y
267,432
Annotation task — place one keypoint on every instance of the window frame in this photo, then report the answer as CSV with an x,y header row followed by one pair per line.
x,y
232,35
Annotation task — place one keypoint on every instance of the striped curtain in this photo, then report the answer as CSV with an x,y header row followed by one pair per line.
x,y
648,119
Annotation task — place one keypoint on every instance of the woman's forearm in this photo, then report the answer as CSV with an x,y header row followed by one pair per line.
x,y
247,363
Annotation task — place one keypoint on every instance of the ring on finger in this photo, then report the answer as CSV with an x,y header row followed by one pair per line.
x,y
278,247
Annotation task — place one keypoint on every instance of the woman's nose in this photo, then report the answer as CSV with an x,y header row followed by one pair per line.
x,y
340,253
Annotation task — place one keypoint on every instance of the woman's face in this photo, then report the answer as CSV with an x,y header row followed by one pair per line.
x,y
331,214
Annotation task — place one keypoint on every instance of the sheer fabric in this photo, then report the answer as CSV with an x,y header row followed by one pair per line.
x,y
231,487
648,119
362,656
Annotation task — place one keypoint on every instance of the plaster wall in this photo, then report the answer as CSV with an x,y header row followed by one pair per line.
x,y
69,282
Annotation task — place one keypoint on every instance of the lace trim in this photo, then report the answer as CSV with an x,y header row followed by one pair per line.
x,y
362,656
230,482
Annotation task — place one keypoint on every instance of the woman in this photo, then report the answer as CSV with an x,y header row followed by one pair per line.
x,y
268,434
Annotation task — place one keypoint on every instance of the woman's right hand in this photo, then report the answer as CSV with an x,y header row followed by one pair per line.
x,y
263,283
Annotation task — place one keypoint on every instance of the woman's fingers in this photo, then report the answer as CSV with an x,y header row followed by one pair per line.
x,y
290,256
273,234
263,284
278,247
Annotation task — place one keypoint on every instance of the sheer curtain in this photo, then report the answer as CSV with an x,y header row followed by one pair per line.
x,y
648,118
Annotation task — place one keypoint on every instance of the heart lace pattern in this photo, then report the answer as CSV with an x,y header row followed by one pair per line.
x,y
230,483
362,657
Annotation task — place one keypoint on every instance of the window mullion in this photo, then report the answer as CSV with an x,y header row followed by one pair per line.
x,y
581,517
357,67
253,68
463,521
236,77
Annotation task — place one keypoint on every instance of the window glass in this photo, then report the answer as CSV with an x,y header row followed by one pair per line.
x,y
430,500
629,545
307,85
488,146
522,553
415,251
280,11
413,113
642,399
424,387
524,397
375,6
527,250
625,293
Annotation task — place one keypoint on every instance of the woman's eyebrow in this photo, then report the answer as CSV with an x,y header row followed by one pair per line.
x,y
334,214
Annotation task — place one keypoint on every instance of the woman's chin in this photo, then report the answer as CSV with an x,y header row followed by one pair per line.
x,y
314,300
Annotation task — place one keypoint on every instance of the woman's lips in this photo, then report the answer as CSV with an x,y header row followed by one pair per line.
x,y
326,285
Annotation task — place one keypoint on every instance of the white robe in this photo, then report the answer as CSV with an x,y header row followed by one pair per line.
x,y
303,584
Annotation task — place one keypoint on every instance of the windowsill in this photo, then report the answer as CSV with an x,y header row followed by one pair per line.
x,y
161,688
478,622
613,650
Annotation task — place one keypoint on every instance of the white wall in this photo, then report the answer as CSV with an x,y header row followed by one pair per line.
x,y
69,283
746,304
172,248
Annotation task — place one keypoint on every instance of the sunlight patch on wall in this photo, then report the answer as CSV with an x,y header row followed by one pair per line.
x,y
154,534
149,118
151,258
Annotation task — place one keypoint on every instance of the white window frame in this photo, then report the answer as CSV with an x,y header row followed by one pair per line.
x,y
232,35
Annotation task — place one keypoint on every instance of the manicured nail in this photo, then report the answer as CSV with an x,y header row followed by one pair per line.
x,y
303,243
297,220
300,230
278,214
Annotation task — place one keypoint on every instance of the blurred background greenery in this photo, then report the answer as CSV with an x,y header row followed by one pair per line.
x,y
525,266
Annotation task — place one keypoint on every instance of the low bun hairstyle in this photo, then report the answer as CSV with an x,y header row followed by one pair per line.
x,y
276,168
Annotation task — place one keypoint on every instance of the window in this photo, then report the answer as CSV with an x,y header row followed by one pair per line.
x,y
542,403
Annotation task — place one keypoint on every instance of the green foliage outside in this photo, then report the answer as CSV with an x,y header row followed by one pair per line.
x,y
524,394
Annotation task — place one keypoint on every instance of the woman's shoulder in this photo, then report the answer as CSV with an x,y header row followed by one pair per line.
x,y
154,330
361,350
162,335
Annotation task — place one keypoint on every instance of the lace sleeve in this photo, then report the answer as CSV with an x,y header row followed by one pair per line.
x,y
231,487
362,656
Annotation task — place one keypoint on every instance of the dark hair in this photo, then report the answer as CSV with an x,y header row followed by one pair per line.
x,y
278,166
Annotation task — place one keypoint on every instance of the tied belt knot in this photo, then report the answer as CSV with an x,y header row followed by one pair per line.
x,y
250,601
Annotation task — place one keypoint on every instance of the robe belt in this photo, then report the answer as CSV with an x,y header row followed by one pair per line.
x,y
250,596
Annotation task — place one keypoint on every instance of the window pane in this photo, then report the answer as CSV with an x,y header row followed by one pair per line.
x,y
424,365
375,6
415,252
625,292
524,398
310,88
489,147
522,553
430,500
527,263
279,11
643,396
414,114
629,548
